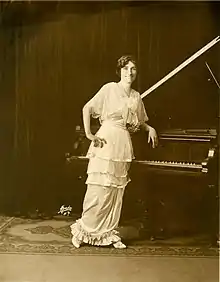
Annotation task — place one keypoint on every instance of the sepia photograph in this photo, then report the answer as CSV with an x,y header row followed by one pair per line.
x,y
109,141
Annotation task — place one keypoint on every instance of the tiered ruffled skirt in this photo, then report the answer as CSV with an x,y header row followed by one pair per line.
x,y
107,178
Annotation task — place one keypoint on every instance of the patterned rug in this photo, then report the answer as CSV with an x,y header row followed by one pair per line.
x,y
28,236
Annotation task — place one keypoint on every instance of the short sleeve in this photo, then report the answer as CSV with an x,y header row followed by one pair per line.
x,y
96,104
141,111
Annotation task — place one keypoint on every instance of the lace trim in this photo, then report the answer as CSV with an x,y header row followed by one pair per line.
x,y
108,180
108,184
90,155
117,169
104,239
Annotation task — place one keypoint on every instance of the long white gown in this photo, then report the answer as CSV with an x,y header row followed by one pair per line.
x,y
108,166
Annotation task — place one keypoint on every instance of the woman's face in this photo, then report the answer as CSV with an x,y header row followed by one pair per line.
x,y
128,73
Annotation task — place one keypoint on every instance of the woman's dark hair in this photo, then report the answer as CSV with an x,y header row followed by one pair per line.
x,y
123,61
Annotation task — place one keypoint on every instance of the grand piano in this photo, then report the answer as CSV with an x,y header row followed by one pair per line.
x,y
174,187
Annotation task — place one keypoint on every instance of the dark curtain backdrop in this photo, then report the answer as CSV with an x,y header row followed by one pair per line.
x,y
54,57
7,109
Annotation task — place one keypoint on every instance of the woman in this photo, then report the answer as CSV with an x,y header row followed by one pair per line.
x,y
120,109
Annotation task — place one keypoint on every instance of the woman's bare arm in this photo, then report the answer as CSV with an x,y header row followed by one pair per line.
x,y
152,134
98,142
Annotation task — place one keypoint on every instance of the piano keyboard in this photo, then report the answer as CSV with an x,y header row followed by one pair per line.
x,y
169,164
172,164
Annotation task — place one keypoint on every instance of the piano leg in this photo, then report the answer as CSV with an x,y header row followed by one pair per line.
x,y
214,220
214,202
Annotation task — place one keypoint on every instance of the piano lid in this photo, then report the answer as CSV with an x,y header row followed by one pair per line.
x,y
187,96
188,100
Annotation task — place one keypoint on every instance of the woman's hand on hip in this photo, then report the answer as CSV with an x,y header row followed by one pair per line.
x,y
98,141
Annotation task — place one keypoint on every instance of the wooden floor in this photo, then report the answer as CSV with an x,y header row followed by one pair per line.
x,y
87,268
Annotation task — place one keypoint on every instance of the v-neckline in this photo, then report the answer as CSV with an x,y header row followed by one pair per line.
x,y
123,93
